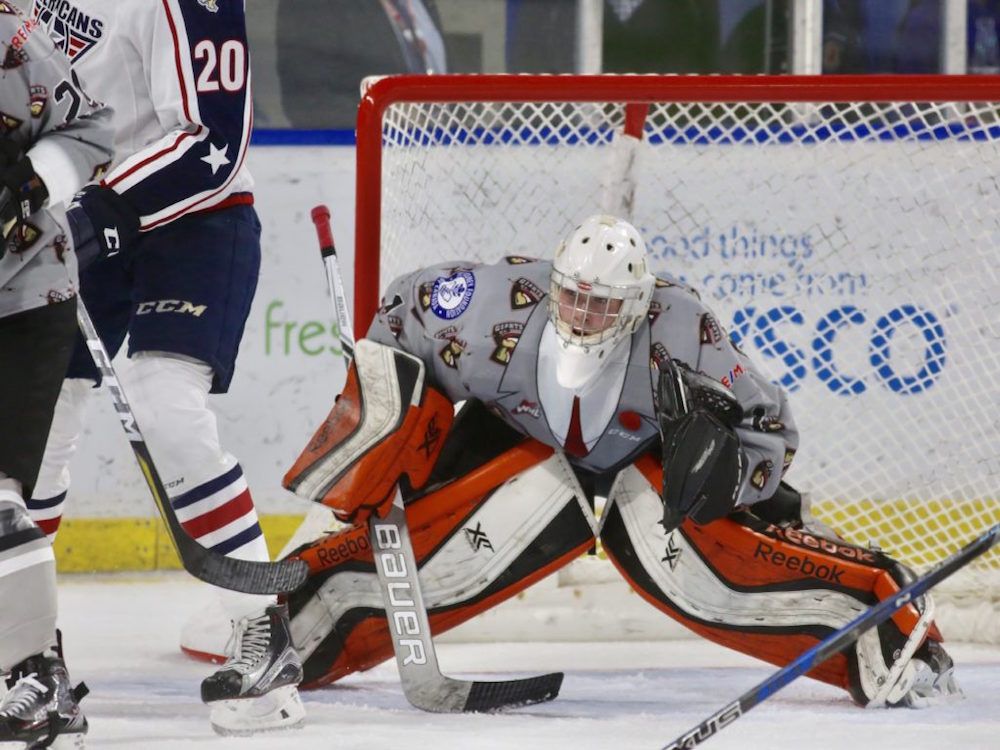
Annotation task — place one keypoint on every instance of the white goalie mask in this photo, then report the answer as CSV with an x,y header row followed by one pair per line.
x,y
599,294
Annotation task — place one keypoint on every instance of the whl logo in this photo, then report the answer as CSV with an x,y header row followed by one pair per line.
x,y
477,538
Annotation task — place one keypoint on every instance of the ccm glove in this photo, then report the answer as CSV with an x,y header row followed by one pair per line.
x,y
703,465
102,224
22,192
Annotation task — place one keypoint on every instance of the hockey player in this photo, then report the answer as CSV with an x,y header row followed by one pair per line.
x,y
581,374
53,139
174,246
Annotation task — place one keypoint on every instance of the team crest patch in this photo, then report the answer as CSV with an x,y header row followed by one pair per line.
x,y
760,475
395,324
424,295
655,310
711,331
658,355
524,293
100,170
787,462
766,423
15,58
518,260
9,123
451,353
7,8
506,336
74,32
39,99
212,6
23,238
450,296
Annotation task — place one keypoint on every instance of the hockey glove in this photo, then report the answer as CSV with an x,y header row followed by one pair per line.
x,y
22,192
103,224
703,465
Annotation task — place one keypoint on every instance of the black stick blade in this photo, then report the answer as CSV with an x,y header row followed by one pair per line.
x,y
494,696
250,576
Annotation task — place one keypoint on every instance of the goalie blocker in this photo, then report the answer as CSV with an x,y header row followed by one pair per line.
x,y
491,512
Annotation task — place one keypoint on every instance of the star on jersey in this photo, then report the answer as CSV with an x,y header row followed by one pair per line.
x,y
216,157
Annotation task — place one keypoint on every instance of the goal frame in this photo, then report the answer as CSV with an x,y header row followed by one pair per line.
x,y
379,94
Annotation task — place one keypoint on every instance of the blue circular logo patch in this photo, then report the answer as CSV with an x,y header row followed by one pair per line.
x,y
451,296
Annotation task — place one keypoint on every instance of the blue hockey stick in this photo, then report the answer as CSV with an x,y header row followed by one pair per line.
x,y
836,642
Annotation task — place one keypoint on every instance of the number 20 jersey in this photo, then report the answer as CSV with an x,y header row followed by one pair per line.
x,y
177,74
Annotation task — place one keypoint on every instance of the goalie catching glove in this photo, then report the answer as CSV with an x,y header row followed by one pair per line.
x,y
703,465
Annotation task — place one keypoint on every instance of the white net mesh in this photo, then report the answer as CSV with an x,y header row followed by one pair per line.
x,y
852,249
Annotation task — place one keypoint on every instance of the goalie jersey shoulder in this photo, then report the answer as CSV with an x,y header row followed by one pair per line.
x,y
463,319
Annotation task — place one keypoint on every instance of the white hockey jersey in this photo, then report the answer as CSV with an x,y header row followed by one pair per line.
x,y
177,74
483,332
68,139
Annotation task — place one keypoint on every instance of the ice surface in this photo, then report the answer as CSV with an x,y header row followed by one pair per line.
x,y
121,636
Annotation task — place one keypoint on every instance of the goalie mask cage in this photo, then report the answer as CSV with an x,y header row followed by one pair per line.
x,y
844,230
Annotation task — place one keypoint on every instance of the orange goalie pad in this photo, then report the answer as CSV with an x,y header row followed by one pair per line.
x,y
366,482
754,558
359,638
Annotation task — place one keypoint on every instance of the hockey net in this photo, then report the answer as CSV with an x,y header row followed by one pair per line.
x,y
844,229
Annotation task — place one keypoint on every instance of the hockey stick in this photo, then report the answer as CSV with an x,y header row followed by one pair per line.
x,y
423,684
248,576
835,642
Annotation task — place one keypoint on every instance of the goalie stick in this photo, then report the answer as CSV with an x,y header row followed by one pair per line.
x,y
248,576
423,684
834,643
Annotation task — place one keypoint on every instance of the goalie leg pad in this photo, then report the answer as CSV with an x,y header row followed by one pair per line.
x,y
384,425
768,591
478,541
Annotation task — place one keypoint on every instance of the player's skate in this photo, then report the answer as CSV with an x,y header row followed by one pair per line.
x,y
255,690
41,708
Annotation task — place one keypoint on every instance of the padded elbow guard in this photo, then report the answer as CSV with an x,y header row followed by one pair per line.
x,y
385,424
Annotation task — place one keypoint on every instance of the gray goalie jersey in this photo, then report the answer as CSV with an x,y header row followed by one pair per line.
x,y
68,139
483,333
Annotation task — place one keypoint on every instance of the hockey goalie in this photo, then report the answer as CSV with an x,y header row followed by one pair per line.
x,y
581,376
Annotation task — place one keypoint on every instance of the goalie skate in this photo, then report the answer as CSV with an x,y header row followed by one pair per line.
x,y
41,709
255,690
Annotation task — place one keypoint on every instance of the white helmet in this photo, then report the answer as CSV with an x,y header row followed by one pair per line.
x,y
599,294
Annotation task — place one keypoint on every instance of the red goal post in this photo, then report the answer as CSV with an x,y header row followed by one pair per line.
x,y
844,228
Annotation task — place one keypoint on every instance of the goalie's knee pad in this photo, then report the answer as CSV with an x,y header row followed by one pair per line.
x,y
773,592
478,540
385,424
